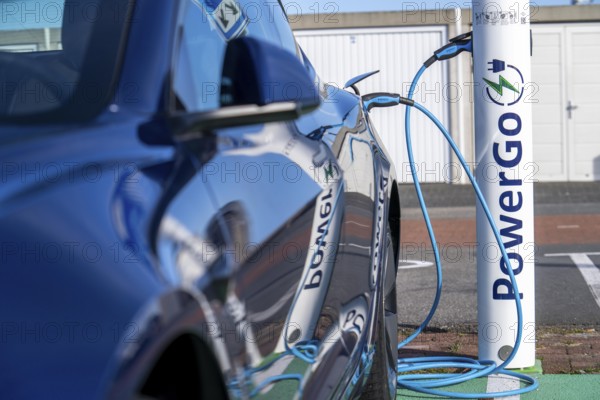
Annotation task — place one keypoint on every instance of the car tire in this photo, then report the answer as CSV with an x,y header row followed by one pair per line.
x,y
381,383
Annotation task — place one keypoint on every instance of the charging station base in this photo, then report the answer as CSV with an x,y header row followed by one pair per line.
x,y
535,370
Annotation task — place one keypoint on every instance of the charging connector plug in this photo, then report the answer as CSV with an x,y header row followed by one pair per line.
x,y
384,100
456,46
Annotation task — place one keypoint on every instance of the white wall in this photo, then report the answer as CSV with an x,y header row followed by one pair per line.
x,y
340,54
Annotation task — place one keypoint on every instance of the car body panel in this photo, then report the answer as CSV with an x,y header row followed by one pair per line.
x,y
114,247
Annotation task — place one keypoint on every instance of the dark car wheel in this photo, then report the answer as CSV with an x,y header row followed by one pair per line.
x,y
381,383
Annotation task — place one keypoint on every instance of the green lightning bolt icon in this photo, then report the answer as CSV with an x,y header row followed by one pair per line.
x,y
501,83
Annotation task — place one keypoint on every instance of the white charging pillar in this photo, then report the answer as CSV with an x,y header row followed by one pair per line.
x,y
505,173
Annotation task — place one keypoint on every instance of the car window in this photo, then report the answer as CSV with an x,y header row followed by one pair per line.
x,y
267,21
46,51
205,29
199,61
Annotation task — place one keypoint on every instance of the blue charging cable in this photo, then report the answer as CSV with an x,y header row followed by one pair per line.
x,y
428,382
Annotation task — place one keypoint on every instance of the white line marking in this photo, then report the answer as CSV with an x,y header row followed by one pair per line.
x,y
356,223
567,226
413,264
501,383
588,270
570,254
355,245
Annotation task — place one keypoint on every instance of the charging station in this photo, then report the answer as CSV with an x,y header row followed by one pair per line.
x,y
501,48
504,165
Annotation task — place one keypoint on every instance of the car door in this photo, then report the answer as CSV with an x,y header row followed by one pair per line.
x,y
276,193
360,280
299,242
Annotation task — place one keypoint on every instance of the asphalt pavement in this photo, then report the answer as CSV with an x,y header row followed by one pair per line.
x,y
567,223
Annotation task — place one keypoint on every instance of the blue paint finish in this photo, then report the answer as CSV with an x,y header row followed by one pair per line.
x,y
112,247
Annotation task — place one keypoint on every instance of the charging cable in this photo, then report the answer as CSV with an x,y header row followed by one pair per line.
x,y
429,382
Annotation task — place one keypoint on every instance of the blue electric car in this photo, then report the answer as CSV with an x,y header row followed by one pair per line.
x,y
186,210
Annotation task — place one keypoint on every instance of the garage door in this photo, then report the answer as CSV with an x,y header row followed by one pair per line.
x,y
339,55
566,116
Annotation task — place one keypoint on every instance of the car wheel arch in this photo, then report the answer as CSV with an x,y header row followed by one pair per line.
x,y
185,368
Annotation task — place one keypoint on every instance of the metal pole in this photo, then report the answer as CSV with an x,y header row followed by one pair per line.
x,y
460,115
503,150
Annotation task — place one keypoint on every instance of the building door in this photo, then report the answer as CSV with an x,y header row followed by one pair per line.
x,y
566,108
583,102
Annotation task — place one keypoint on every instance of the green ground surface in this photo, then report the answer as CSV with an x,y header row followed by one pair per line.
x,y
552,387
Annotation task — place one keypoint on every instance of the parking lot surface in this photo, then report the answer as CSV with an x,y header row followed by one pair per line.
x,y
567,231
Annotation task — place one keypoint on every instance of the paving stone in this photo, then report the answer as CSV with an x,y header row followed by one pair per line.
x,y
445,195
560,353
581,364
458,233
552,350
556,364
579,349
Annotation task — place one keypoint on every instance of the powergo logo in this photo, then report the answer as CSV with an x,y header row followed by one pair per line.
x,y
507,86
508,153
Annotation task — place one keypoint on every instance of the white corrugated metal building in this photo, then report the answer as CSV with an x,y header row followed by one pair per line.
x,y
566,75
